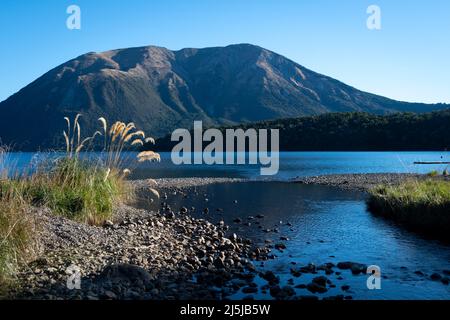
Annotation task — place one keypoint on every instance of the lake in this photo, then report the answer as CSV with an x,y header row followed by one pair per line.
x,y
292,164
327,224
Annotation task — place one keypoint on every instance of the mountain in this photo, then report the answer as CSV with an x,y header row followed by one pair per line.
x,y
354,131
161,90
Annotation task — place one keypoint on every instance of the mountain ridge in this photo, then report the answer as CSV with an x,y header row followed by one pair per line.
x,y
160,90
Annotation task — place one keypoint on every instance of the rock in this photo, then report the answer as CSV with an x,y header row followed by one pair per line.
x,y
260,216
435,277
108,224
109,295
237,220
445,280
170,215
295,272
219,263
183,210
355,267
283,238
316,288
419,273
275,291
288,290
310,268
280,246
358,268
125,275
344,265
345,287
321,281
270,277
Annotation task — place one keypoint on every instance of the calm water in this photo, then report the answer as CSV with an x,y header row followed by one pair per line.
x,y
328,225
292,164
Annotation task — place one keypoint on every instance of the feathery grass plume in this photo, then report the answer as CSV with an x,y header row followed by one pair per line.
x,y
150,140
137,141
128,128
104,124
76,127
148,156
154,192
152,182
140,133
66,137
75,186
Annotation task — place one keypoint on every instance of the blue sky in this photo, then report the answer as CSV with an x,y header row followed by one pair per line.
x,y
408,59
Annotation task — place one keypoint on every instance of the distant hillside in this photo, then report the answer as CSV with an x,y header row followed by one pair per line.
x,y
357,131
161,90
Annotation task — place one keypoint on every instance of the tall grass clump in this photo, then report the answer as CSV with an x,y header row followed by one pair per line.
x,y
86,189
17,227
421,204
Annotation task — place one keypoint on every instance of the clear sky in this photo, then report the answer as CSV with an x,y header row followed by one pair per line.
x,y
408,59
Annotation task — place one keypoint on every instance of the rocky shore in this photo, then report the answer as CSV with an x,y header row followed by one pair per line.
x,y
141,255
169,255
360,182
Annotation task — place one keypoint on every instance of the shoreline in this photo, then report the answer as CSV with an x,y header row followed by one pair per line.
x,y
141,255
144,254
358,181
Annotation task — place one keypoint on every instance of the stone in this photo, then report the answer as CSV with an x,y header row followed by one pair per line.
x,y
316,288
345,287
270,277
321,281
435,277
183,210
108,223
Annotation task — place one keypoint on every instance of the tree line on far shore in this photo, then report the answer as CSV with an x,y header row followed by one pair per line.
x,y
355,131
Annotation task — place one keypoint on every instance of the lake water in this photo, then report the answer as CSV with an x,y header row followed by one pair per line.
x,y
292,164
328,225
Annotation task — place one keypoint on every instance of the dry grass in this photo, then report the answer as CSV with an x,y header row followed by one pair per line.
x,y
17,228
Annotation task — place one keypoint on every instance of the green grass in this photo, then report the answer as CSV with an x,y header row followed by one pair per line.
x,y
74,188
423,205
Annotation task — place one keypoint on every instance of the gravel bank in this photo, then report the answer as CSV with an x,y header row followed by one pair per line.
x,y
182,183
360,182
141,255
